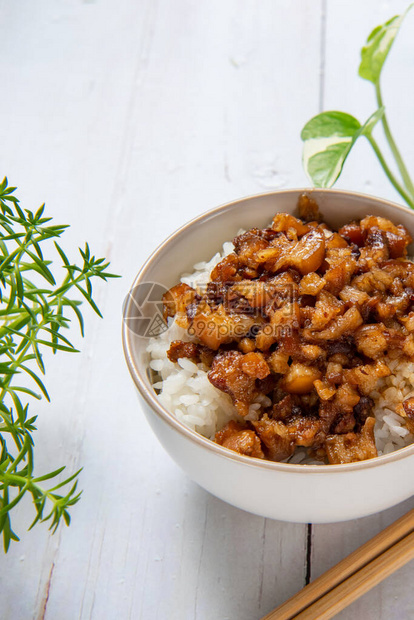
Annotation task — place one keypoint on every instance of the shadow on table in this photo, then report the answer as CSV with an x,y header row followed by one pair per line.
x,y
244,564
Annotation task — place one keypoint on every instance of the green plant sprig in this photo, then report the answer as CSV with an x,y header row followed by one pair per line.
x,y
330,136
32,318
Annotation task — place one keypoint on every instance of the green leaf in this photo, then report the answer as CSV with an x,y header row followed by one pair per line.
x,y
78,313
328,124
42,267
328,139
62,255
37,380
89,300
379,43
55,345
50,475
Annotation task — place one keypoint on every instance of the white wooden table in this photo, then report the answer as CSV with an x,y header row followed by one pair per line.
x,y
128,118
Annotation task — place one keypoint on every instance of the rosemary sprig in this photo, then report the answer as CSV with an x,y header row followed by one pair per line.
x,y
33,314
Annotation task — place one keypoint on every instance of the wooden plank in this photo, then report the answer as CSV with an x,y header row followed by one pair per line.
x,y
128,121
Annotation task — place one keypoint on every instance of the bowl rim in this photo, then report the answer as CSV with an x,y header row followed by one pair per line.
x,y
151,399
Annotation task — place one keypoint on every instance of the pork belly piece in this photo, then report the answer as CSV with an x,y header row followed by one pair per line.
x,y
283,222
366,377
345,401
275,437
375,250
353,296
284,323
402,270
327,307
333,240
235,373
176,300
274,292
304,429
240,439
258,293
306,255
374,281
308,209
338,268
325,390
338,327
226,270
217,326
397,237
311,353
195,352
340,274
247,345
337,415
255,365
333,373
311,284
247,246
362,410
352,233
352,447
393,306
371,340
300,378
277,252
284,408
281,436
278,362
179,349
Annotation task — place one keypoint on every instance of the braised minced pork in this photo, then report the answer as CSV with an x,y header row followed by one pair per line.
x,y
306,316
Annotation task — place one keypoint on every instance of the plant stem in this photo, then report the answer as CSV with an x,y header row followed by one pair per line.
x,y
15,365
397,155
407,197
25,484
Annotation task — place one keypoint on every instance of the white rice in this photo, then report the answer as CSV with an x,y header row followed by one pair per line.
x,y
184,388
390,430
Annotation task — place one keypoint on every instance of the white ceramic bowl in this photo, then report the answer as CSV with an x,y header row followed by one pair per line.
x,y
299,493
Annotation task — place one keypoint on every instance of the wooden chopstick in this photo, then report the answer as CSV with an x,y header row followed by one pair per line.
x,y
350,566
360,582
